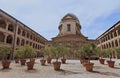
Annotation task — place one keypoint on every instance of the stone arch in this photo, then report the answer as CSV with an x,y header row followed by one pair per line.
x,y
2,37
11,27
18,41
19,31
23,33
109,45
28,35
22,42
112,44
27,42
116,43
2,23
9,39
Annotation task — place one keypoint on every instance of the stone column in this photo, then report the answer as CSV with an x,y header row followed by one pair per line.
x,y
5,39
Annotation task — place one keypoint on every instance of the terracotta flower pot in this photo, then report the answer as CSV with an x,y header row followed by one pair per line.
x,y
16,60
57,65
102,61
5,64
30,65
42,62
49,60
89,66
23,61
63,61
111,63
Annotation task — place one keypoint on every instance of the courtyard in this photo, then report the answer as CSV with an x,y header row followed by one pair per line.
x,y
73,69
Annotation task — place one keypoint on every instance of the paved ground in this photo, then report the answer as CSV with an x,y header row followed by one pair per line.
x,y
73,69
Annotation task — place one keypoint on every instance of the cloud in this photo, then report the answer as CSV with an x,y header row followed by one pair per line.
x,y
44,15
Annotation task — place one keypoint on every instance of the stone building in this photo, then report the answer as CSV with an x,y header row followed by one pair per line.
x,y
69,34
16,34
110,38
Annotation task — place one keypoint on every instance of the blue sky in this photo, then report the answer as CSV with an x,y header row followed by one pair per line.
x,y
44,16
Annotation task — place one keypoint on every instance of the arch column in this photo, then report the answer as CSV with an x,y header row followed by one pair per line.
x,y
118,37
7,24
5,39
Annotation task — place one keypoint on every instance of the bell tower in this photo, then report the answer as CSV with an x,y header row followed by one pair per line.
x,y
69,25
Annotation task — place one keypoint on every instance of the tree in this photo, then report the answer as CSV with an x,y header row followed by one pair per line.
x,y
89,50
117,51
4,51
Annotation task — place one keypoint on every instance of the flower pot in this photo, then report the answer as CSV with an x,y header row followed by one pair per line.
x,y
56,65
118,57
16,60
30,65
42,62
5,64
101,61
89,66
111,63
23,61
63,61
49,60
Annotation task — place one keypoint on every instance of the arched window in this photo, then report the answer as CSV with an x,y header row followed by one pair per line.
x,y
27,42
112,44
18,41
22,42
119,31
9,39
28,35
11,27
2,36
68,27
116,43
115,34
2,24
23,33
33,45
109,45
19,31
31,37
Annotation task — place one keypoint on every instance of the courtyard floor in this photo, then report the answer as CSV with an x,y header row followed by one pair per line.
x,y
73,69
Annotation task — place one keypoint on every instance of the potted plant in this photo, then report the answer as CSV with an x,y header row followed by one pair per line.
x,y
64,53
56,53
89,50
110,62
102,54
4,51
29,53
46,52
117,52
80,53
19,53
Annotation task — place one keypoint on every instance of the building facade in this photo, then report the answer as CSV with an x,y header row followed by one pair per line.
x,y
69,34
110,38
16,34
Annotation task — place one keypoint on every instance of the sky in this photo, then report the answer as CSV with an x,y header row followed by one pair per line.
x,y
44,16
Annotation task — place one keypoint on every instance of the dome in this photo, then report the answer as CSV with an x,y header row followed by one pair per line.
x,y
70,16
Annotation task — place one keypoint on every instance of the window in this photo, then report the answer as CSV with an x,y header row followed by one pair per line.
x,y
11,28
19,30
2,24
68,27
